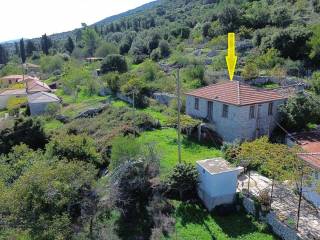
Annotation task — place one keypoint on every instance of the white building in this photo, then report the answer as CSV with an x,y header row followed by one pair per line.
x,y
39,102
6,95
218,182
234,110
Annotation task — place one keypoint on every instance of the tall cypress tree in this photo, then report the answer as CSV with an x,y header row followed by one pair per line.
x,y
22,51
46,44
30,48
3,55
69,45
16,49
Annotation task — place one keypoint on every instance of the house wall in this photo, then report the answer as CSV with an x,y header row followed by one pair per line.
x,y
217,189
39,108
5,98
238,125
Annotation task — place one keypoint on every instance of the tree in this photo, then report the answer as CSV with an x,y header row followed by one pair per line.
x,y
164,48
46,44
250,71
16,49
30,48
49,193
314,44
139,50
205,29
27,131
114,63
299,111
153,41
229,18
184,178
91,40
258,15
69,45
3,55
281,17
22,51
106,49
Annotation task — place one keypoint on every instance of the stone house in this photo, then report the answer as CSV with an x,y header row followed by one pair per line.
x,y
236,111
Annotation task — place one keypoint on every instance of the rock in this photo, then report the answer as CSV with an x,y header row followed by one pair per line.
x,y
92,112
62,118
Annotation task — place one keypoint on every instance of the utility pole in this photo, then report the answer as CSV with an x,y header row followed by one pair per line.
x,y
179,109
134,113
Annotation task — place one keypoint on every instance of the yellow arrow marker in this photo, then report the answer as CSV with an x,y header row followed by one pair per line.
x,y
231,58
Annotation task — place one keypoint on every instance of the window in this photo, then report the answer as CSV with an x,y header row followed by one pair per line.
x,y
196,103
270,109
251,113
225,111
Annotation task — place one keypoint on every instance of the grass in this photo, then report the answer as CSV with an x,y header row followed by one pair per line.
x,y
193,222
166,141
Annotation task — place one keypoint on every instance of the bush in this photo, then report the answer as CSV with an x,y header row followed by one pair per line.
x,y
114,63
74,147
230,151
183,179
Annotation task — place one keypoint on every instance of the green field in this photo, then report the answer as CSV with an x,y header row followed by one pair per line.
x,y
166,142
193,222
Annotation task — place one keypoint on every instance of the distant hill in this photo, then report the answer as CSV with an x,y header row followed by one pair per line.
x,y
129,13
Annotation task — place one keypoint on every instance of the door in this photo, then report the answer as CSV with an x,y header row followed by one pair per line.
x,y
210,109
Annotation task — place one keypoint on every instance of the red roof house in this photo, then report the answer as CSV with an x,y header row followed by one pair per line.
x,y
236,110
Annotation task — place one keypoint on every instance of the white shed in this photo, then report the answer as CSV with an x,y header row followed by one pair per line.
x,y
218,182
38,102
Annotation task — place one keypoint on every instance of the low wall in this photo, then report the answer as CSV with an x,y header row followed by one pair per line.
x,y
279,228
164,98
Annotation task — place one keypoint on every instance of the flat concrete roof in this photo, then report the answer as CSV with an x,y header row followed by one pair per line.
x,y
217,165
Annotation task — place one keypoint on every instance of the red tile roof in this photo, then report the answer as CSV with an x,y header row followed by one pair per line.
x,y
312,159
35,85
310,143
236,93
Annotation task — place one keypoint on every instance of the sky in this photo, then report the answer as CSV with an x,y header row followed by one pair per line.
x,y
32,18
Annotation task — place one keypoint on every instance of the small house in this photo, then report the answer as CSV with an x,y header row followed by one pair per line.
x,y
39,102
12,79
6,95
218,182
236,111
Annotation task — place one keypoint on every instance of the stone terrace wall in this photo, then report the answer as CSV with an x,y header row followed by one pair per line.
x,y
278,227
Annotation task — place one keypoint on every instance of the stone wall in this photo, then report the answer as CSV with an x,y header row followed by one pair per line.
x,y
279,228
164,98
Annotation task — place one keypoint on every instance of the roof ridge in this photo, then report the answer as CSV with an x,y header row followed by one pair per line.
x,y
238,89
